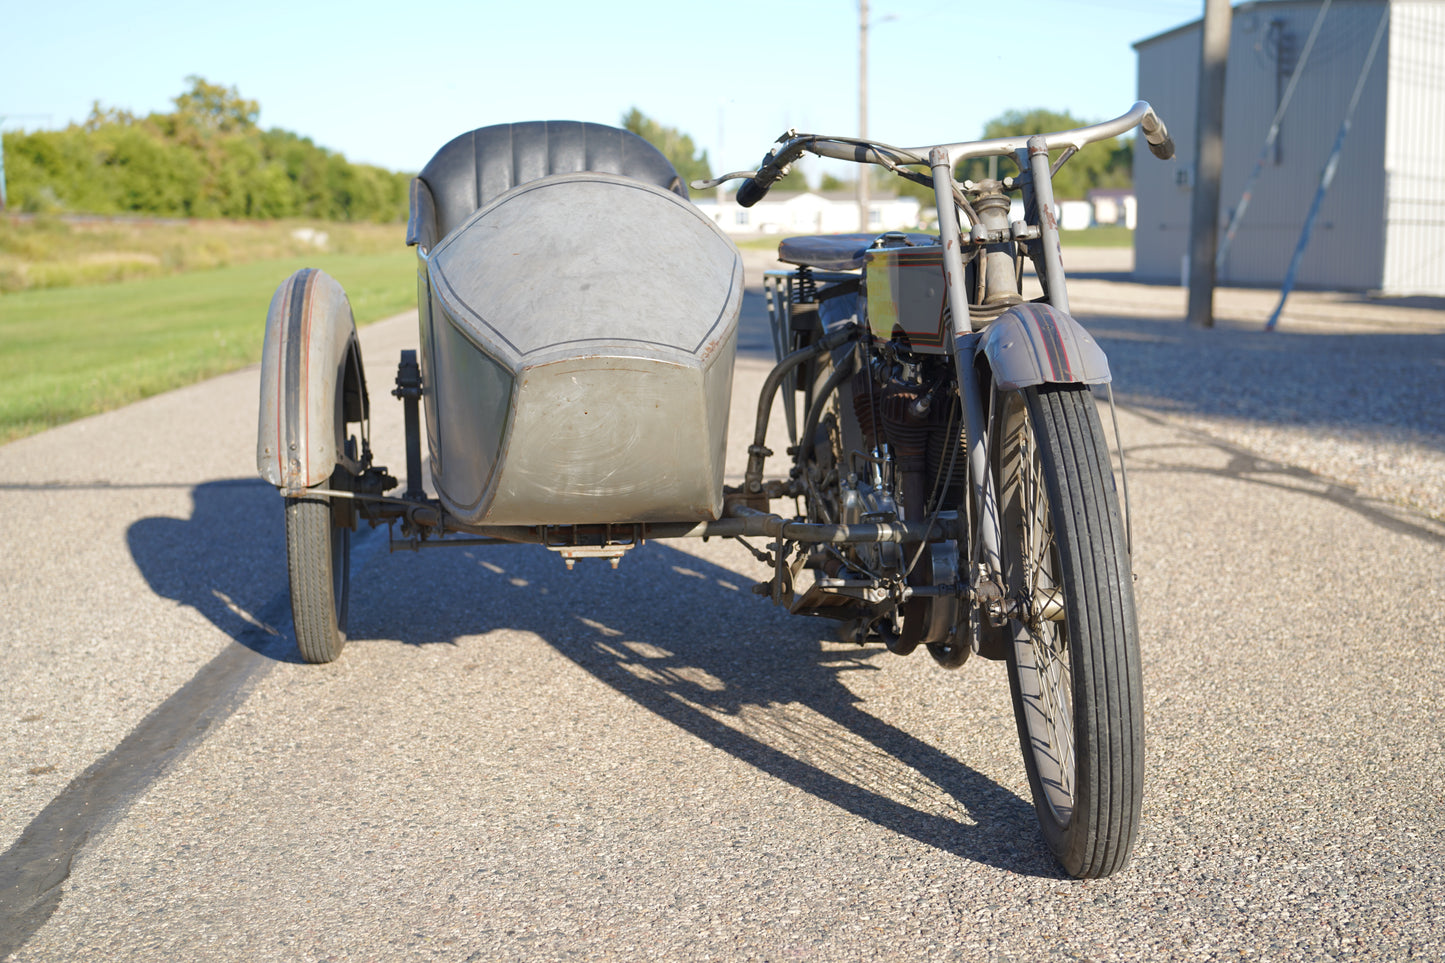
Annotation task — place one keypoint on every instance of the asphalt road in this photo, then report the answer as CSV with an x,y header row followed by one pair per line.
x,y
514,761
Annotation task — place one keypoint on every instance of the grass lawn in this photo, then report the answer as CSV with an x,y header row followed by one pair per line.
x,y
70,352
1109,235
54,252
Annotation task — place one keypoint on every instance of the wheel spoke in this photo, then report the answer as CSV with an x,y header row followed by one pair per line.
x,y
1042,609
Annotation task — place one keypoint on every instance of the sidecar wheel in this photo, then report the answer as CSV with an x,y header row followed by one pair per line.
x,y
318,557
1073,663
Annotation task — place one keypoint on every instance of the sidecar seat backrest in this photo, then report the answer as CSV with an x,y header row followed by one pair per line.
x,y
476,167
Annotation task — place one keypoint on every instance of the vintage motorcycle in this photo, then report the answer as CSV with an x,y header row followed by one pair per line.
x,y
950,483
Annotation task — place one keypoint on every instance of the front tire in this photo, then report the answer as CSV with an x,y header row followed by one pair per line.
x,y
1074,660
318,559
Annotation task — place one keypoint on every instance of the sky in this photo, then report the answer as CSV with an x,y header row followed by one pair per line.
x,y
387,87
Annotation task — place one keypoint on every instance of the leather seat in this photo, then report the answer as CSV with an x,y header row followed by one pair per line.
x,y
840,252
471,170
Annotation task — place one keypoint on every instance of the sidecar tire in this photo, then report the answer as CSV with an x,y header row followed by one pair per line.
x,y
318,560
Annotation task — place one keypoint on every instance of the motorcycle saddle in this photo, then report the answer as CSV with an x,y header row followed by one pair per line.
x,y
839,252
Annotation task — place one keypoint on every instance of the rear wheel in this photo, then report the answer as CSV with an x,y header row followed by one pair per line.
x,y
1074,659
318,556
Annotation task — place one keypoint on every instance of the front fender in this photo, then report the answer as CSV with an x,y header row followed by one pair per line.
x,y
1034,344
312,382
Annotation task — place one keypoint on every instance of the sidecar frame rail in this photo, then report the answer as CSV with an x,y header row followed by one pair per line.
x,y
430,524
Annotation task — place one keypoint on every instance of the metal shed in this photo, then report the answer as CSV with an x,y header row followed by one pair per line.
x,y
1382,225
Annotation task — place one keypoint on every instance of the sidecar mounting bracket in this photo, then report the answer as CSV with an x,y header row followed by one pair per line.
x,y
571,553
610,544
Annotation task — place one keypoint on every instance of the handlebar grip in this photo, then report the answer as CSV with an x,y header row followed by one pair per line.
x,y
751,192
1156,135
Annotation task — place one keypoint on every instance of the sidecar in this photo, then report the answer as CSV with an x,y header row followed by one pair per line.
x,y
578,328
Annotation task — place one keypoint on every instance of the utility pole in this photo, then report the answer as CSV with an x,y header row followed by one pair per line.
x,y
1208,162
863,111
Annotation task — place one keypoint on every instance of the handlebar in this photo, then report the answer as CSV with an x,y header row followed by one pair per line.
x,y
1140,115
1161,145
792,146
769,172
751,191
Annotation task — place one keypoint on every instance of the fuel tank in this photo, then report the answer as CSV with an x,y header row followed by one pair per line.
x,y
578,338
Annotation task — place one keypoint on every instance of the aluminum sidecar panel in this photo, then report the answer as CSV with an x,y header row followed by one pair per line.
x,y
579,350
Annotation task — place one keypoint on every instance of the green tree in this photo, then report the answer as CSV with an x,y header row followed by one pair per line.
x,y
676,146
139,171
793,180
215,107
1104,164
53,171
881,183
207,158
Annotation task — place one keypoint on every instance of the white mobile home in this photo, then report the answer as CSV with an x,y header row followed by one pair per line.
x,y
809,212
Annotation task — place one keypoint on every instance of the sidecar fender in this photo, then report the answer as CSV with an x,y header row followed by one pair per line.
x,y
1034,344
312,383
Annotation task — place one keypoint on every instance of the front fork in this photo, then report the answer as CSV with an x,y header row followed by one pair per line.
x,y
986,577
963,341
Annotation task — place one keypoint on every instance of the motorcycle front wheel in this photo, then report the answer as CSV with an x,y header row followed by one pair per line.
x,y
1074,661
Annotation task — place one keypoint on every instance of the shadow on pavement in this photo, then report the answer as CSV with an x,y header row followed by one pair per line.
x,y
227,561
1248,468
680,637
688,641
1368,382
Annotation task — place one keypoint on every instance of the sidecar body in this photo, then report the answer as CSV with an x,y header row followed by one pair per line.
x,y
578,328
578,324
572,382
